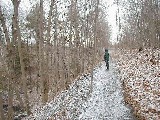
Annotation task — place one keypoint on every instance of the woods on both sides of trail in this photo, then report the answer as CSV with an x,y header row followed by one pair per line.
x,y
44,49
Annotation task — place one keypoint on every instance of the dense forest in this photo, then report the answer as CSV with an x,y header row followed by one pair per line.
x,y
139,26
45,51
45,48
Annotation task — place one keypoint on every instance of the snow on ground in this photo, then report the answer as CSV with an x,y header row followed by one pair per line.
x,y
140,73
104,103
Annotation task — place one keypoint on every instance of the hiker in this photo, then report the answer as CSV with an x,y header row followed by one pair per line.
x,y
106,58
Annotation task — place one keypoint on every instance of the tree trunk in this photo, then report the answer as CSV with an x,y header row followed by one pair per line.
x,y
10,100
47,72
56,68
95,41
43,77
17,35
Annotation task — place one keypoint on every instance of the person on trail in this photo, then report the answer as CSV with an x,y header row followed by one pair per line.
x,y
106,58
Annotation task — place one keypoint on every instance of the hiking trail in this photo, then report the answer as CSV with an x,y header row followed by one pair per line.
x,y
105,102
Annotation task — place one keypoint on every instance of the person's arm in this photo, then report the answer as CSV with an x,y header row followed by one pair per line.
x,y
108,57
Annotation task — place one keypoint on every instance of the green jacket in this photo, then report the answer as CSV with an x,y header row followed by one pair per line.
x,y
106,55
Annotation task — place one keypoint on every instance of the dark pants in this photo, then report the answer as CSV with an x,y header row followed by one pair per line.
x,y
107,64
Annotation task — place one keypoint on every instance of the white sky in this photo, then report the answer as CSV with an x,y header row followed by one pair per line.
x,y
111,11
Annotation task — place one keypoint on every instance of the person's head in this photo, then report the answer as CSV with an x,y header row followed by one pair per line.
x,y
106,50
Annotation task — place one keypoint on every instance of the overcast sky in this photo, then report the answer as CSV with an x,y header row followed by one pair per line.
x,y
111,11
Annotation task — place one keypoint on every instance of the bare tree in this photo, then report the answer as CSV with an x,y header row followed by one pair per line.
x,y
95,42
17,36
10,64
67,44
143,24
